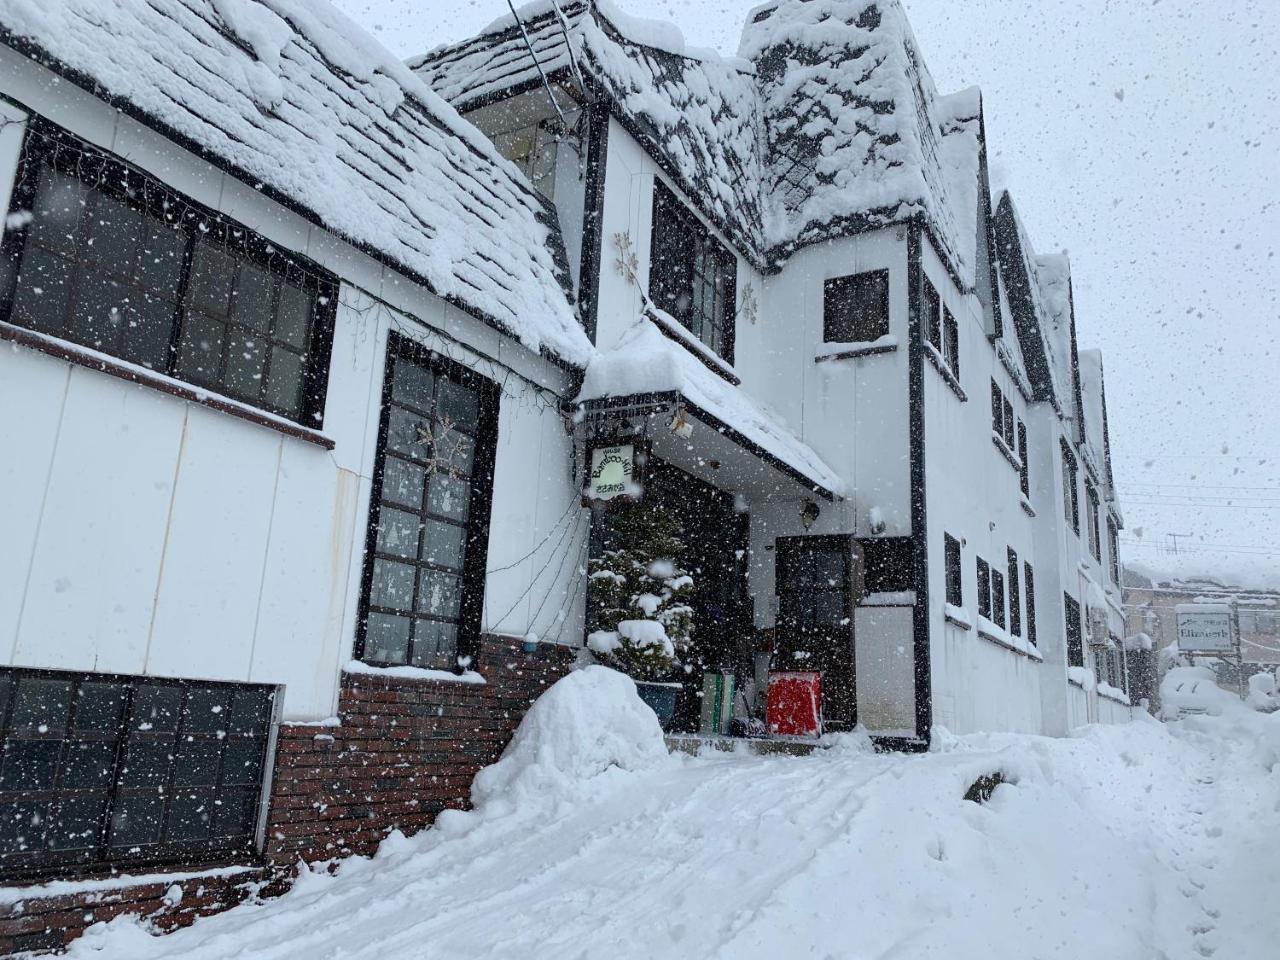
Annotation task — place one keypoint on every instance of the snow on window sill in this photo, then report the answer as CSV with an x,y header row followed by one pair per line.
x,y
1082,677
958,616
412,673
948,377
61,888
675,330
859,348
1113,693
146,377
1008,454
1029,510
892,598
1003,638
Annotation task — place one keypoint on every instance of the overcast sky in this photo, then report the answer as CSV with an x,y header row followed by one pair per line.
x,y
1142,138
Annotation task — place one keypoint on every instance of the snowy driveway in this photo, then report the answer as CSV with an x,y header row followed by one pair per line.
x,y
1139,842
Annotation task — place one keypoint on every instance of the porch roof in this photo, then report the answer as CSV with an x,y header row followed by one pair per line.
x,y
648,367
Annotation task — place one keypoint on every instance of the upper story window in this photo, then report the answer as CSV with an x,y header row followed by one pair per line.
x,y
1094,531
526,130
997,597
1029,587
1070,490
955,585
931,304
113,260
951,336
1024,471
855,308
1015,596
692,275
429,522
1113,549
984,588
1075,631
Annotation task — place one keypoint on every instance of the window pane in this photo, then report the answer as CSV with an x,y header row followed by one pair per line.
x,y
234,813
58,209
200,353
98,310
412,384
439,593
100,706
243,763
406,432
251,711
78,824
190,815
398,532
22,825
454,451
293,319
253,298
115,234
246,357
403,482
449,497
387,638
156,708
206,710
147,765
196,763
161,266
146,335
433,640
42,705
89,765
43,291
392,585
458,404
135,820
212,271
284,382
29,764
443,544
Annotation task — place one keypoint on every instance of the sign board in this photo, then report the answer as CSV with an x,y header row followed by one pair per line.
x,y
613,473
1205,628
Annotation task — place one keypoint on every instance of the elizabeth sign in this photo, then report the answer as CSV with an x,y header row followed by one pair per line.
x,y
1207,630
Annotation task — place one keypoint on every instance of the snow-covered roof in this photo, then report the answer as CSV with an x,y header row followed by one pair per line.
x,y
294,99
828,125
646,362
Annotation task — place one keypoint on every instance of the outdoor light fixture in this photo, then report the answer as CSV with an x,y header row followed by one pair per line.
x,y
809,513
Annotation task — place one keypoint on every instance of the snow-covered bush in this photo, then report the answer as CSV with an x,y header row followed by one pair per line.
x,y
639,595
1262,692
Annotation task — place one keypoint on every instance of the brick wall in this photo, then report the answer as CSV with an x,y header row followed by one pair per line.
x,y
403,750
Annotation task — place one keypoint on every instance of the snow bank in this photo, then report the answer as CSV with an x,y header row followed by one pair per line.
x,y
1194,690
583,728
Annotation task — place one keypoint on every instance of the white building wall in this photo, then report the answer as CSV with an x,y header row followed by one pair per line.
x,y
141,533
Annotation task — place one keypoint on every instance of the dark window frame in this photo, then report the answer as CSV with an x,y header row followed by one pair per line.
x,y
1075,631
1015,595
114,791
479,511
1093,513
1113,549
856,304
998,617
931,310
1024,470
952,564
678,234
997,409
121,185
951,341
1070,487
984,588
1029,591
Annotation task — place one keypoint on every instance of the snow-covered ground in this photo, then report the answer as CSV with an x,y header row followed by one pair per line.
x,y
1145,841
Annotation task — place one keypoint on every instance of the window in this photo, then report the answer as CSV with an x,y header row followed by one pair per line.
x,y
1015,598
1029,585
951,331
1113,549
114,261
1024,471
984,589
429,525
1075,639
1009,440
955,586
1070,494
997,598
932,306
888,564
526,130
997,410
111,770
1091,507
692,276
856,308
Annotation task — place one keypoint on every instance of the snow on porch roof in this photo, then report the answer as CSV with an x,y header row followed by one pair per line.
x,y
645,362
296,100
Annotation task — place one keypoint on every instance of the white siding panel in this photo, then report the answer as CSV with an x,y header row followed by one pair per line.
x,y
93,576
32,390
885,665
208,598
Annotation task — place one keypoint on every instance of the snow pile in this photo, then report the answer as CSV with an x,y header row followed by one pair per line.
x,y
1194,690
1262,692
645,361
586,727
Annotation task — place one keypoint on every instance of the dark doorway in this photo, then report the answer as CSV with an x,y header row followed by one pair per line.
x,y
815,619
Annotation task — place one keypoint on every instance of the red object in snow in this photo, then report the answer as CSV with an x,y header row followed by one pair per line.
x,y
795,704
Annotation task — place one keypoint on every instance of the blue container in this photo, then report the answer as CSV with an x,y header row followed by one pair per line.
x,y
660,698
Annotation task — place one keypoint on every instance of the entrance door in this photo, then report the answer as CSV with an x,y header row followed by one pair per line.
x,y
815,619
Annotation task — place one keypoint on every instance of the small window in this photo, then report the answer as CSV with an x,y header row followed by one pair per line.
x,y
692,276
1024,470
997,598
888,564
1095,534
113,260
1070,492
984,589
932,306
951,331
1009,439
1113,549
424,567
1015,598
997,410
1029,586
114,771
955,586
1075,639
856,307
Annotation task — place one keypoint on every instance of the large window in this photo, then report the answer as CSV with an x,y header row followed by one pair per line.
x,y
692,276
856,308
1029,587
997,597
955,585
102,770
1070,489
429,524
112,260
1024,470
1075,636
984,588
1015,596
1091,517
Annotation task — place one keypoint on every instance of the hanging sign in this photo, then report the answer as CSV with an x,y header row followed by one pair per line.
x,y
1205,628
614,473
